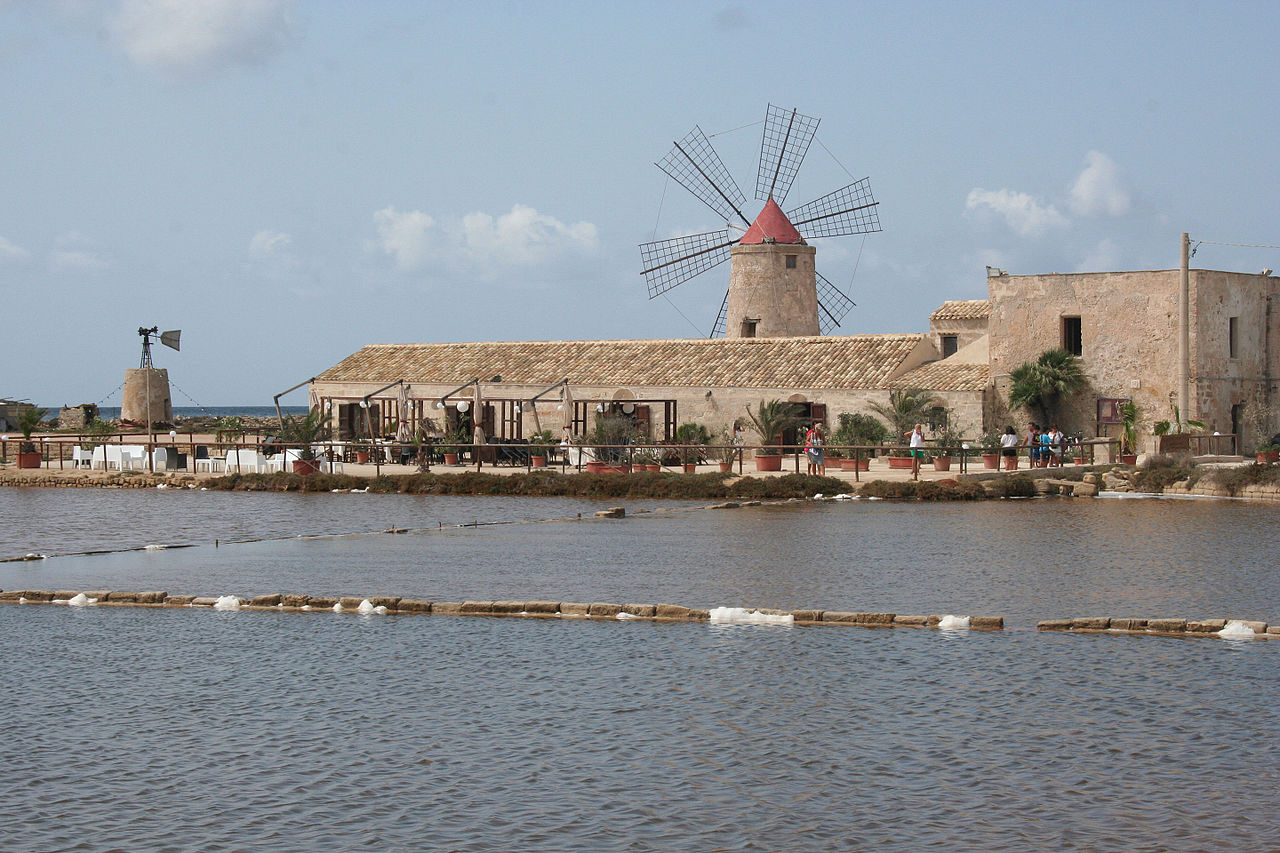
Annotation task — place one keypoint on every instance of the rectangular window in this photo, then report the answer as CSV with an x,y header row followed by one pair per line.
x,y
1233,337
937,418
950,343
1072,337
791,262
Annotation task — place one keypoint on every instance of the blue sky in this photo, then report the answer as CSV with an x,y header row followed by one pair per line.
x,y
288,181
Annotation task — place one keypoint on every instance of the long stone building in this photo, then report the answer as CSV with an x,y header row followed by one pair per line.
x,y
1122,325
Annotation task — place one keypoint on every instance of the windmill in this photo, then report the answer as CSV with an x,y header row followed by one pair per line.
x,y
774,290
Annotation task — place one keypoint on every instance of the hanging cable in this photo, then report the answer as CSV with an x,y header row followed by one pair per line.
x,y
734,130
188,396
833,157
661,201
681,313
1237,245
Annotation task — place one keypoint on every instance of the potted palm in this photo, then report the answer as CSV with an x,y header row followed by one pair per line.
x,y
1129,424
28,455
693,438
770,420
303,433
1173,436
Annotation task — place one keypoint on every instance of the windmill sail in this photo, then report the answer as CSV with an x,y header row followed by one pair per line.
x,y
848,210
668,263
696,166
833,305
718,330
785,142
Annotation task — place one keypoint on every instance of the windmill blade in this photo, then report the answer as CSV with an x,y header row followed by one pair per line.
x,y
696,166
848,210
787,134
833,305
718,330
668,263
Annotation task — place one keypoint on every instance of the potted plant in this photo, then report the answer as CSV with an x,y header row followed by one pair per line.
x,y
948,441
990,450
450,449
726,453
1129,424
770,419
646,460
540,448
857,430
1268,453
28,455
303,433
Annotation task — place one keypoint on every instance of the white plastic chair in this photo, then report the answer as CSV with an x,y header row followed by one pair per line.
x,y
81,458
246,461
133,457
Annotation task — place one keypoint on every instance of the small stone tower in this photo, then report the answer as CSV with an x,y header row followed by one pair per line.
x,y
773,289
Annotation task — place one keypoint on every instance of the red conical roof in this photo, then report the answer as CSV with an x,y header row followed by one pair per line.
x,y
772,224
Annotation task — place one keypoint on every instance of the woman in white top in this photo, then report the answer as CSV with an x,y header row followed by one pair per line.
x,y
917,447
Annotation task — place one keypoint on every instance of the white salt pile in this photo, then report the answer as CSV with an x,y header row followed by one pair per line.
x,y
742,614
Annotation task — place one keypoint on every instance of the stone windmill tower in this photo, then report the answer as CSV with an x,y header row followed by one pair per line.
x,y
774,288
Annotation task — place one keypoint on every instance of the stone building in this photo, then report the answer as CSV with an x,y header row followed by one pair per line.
x,y
1124,328
659,384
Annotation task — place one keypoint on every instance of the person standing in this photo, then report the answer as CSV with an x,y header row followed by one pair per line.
x,y
1009,447
917,448
813,449
1032,442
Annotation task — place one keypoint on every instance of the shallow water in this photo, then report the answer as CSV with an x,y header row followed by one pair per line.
x,y
190,729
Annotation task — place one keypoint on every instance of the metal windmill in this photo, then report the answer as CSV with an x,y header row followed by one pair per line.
x,y
694,164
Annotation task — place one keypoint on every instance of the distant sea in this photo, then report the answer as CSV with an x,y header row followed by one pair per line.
x,y
110,412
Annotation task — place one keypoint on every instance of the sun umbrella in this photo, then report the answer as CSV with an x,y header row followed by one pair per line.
x,y
403,433
566,402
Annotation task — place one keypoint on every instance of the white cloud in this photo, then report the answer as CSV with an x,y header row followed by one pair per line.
x,y
1104,257
1021,212
12,252
1098,188
480,242
406,236
77,260
267,244
186,37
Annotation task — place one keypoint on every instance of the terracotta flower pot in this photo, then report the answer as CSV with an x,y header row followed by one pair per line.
x,y
1267,456
362,457
942,463
32,459
305,467
769,463
991,460
848,464
691,467
538,461
1128,459
900,462
653,467
595,467
451,459
726,467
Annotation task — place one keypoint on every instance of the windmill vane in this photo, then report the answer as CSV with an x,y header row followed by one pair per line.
x,y
773,288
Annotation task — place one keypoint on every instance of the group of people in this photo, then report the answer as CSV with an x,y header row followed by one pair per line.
x,y
1044,446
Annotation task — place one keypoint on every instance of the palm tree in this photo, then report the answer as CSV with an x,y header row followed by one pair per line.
x,y
771,420
907,407
1042,385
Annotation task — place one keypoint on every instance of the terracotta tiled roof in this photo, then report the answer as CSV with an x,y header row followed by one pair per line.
x,y
962,309
944,376
838,361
